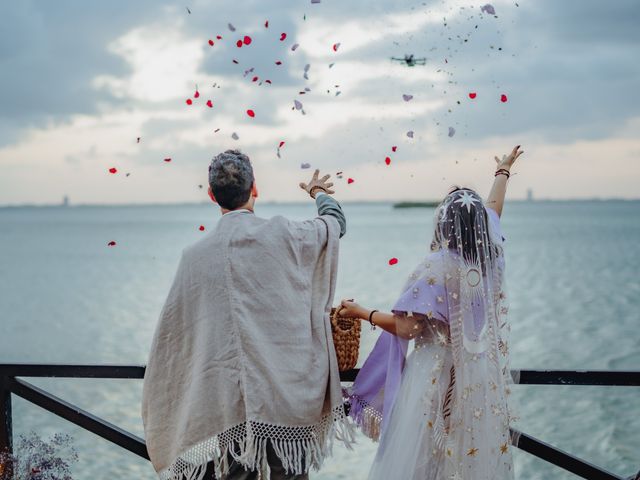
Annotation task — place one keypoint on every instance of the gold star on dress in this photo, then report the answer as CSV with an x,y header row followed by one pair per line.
x,y
472,452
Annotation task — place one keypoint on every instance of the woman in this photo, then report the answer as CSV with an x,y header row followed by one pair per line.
x,y
443,414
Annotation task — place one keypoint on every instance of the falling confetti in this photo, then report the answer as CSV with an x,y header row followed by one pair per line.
x,y
503,98
410,134
281,144
251,113
472,95
266,24
254,79
452,131
297,104
113,170
268,81
231,27
488,9
197,94
350,181
189,101
294,47
304,166
216,130
188,11
306,71
283,36
211,42
278,62
406,97
246,40
315,1
394,148
209,104
239,44
218,37
335,47
167,160
201,228
387,160
331,65
393,261
235,136
111,244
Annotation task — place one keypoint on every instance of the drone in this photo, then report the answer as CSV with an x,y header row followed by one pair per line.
x,y
410,61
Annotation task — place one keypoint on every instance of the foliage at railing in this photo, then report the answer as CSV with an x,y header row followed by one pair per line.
x,y
38,459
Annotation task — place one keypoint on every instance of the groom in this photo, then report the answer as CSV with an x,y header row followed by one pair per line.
x,y
242,378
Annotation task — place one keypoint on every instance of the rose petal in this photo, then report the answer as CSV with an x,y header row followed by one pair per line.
x,y
283,36
201,228
235,136
189,101
393,261
406,97
278,62
294,47
394,148
335,47
315,1
387,161
246,40
113,170
488,8
235,61
254,79
211,42
410,134
251,113
472,95
266,24
209,104
452,131
167,160
218,37
111,244
304,166
350,180
503,98
197,94
281,144
268,81
297,104
239,44
231,27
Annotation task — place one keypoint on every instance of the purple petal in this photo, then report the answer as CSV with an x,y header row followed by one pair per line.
x,y
410,134
406,97
294,46
304,166
297,104
452,131
488,8
231,27
235,136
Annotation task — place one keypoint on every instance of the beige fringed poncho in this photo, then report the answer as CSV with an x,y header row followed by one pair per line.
x,y
243,352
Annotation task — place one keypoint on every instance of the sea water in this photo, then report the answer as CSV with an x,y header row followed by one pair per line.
x,y
573,282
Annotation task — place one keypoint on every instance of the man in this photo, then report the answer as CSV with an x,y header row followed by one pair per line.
x,y
242,371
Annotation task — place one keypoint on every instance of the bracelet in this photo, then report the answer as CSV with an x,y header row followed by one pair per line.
x,y
311,192
503,171
373,325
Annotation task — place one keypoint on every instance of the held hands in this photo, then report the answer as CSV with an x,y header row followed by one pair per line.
x,y
316,185
507,161
350,309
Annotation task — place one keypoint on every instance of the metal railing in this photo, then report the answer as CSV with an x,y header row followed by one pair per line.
x,y
11,383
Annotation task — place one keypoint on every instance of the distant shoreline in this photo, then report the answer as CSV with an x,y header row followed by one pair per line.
x,y
395,203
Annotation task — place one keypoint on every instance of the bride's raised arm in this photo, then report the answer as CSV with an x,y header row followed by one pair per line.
x,y
495,200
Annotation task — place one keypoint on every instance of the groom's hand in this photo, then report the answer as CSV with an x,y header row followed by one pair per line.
x,y
316,185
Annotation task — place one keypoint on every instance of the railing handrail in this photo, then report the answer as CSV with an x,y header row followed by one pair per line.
x,y
11,384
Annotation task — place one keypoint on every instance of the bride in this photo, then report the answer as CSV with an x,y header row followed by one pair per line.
x,y
442,413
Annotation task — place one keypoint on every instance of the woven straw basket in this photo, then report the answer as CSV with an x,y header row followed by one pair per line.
x,y
346,338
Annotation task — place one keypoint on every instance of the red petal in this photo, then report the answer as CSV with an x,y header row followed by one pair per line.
x,y
394,148
113,170
393,261
201,228
247,40
218,37
209,104
472,95
251,113
211,42
281,144
189,101
387,161
197,94
335,47
503,98
167,160
111,244
283,36
239,43
267,81
350,180
254,79
266,24
278,62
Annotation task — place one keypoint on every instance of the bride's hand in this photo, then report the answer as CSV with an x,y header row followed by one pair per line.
x,y
508,161
350,309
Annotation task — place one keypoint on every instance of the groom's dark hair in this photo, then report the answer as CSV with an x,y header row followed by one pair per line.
x,y
231,179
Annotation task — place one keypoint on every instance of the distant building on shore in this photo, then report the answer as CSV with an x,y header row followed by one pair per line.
x,y
529,195
65,201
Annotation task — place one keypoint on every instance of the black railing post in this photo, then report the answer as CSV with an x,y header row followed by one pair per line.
x,y
6,430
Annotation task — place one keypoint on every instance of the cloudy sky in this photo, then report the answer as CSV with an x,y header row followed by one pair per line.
x,y
81,81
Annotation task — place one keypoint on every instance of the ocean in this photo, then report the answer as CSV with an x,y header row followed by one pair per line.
x,y
573,281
